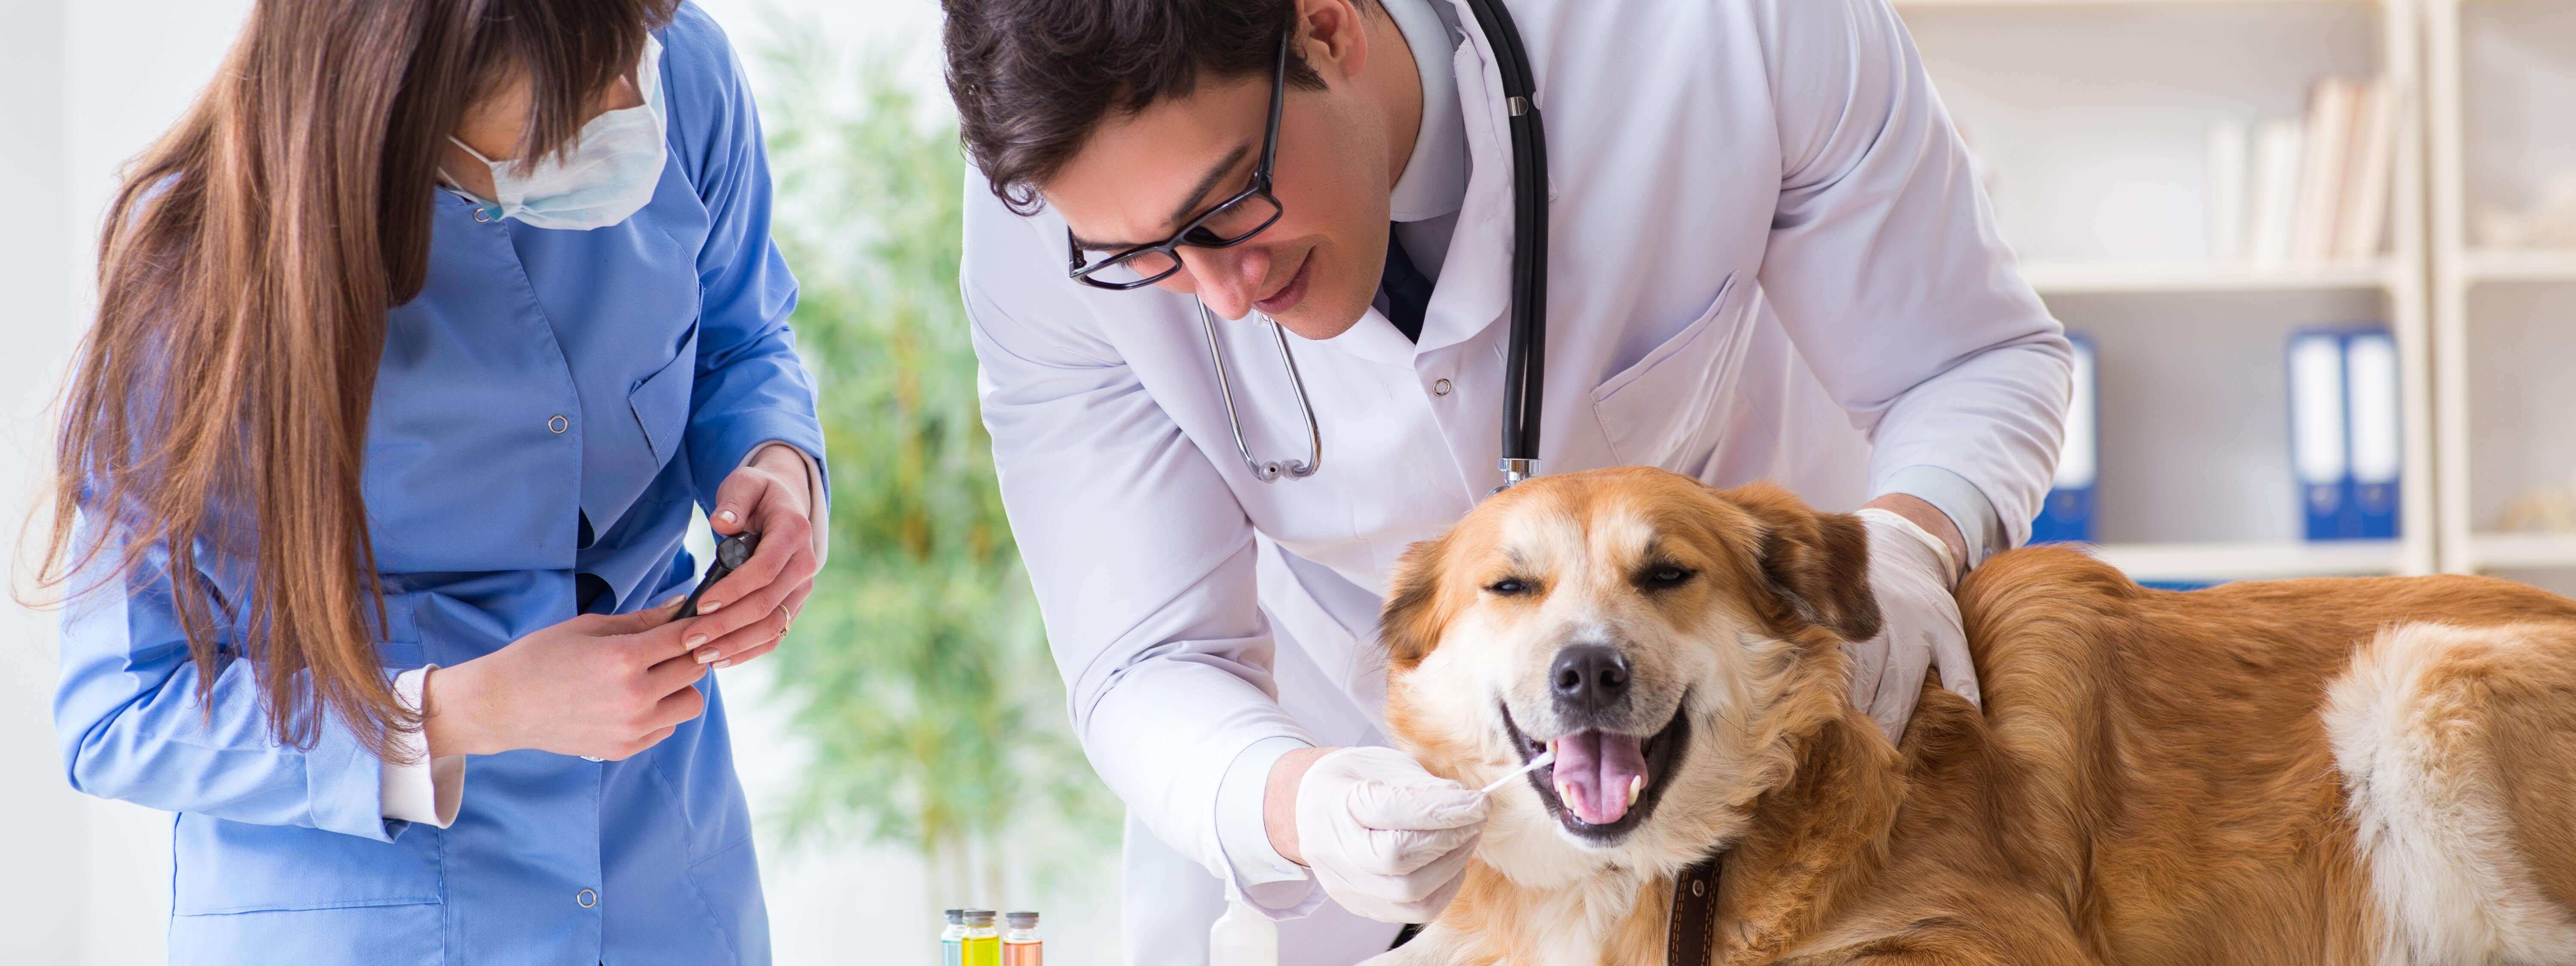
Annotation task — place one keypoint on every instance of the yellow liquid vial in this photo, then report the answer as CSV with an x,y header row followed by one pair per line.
x,y
981,951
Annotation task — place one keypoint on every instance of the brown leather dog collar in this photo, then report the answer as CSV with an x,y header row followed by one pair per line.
x,y
1691,940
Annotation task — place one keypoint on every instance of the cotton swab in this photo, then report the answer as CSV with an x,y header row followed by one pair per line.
x,y
1544,759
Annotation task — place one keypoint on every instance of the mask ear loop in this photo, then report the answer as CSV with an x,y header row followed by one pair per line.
x,y
469,149
487,209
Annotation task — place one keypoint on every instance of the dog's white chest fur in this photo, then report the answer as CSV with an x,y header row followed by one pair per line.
x,y
1588,912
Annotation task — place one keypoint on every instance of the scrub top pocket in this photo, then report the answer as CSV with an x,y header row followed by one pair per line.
x,y
660,401
405,935
224,868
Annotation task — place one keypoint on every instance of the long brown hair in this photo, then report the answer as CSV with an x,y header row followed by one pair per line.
x,y
244,274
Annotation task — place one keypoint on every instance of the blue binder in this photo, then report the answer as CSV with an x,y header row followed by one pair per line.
x,y
2319,459
2066,516
2345,446
2371,393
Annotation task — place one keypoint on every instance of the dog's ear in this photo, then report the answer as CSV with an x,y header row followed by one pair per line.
x,y
1409,624
1816,564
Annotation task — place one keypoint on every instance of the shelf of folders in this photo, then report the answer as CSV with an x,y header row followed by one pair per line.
x,y
2346,457
2309,190
971,938
2344,431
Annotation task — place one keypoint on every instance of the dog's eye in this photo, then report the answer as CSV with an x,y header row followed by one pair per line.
x,y
1508,587
1663,577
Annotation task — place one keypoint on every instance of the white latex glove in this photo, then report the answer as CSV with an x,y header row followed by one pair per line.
x,y
1910,574
1386,839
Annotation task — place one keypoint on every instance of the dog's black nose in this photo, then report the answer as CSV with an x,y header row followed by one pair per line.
x,y
1588,677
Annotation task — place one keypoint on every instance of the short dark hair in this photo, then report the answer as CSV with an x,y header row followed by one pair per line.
x,y
1033,77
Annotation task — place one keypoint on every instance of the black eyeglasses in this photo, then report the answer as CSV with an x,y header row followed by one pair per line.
x,y
1230,223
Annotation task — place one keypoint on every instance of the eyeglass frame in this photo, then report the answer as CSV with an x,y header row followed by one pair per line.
x,y
1260,187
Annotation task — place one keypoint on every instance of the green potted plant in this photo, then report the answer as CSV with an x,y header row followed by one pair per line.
x,y
918,672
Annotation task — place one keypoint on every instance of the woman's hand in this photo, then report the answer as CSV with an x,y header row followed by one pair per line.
x,y
601,685
744,615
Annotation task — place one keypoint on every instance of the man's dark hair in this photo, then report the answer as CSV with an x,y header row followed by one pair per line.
x,y
1033,77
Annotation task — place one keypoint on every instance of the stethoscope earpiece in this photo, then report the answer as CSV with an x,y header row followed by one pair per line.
x,y
1270,471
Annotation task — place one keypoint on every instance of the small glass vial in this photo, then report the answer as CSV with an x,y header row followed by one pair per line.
x,y
1020,943
950,952
983,943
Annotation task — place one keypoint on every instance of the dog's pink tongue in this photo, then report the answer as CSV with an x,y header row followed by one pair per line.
x,y
1594,772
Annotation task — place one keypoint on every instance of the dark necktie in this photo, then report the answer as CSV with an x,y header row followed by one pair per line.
x,y
1408,292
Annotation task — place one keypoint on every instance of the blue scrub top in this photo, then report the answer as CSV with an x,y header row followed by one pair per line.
x,y
544,412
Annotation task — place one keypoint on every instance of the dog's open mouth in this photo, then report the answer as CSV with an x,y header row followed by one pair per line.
x,y
1603,784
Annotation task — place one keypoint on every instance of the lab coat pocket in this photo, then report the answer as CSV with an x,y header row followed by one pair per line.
x,y
224,868
1665,410
661,400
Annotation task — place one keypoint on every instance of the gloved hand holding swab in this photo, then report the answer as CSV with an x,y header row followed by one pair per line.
x,y
1544,759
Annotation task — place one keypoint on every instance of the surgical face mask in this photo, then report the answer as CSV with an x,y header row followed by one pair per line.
x,y
605,177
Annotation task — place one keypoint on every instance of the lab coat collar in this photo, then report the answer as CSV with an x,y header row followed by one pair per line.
x,y
1475,279
1435,177
1375,339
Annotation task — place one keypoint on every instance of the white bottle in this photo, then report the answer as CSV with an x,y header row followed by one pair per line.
x,y
1243,937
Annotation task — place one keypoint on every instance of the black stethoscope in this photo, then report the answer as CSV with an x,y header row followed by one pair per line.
x,y
1525,358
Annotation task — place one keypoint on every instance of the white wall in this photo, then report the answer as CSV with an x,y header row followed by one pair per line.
x,y
41,822
85,84
90,83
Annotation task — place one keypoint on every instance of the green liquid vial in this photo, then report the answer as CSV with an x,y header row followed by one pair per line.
x,y
951,939
982,944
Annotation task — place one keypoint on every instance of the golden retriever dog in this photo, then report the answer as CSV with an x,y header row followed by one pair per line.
x,y
2366,771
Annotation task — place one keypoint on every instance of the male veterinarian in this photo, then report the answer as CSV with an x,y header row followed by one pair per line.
x,y
1767,258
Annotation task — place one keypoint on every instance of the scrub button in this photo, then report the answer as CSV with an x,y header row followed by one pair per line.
x,y
558,424
587,898
1440,387
481,217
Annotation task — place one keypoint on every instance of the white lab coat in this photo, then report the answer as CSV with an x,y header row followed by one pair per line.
x,y
1769,260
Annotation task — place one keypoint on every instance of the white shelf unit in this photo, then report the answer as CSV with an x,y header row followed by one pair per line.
x,y
2253,560
2090,117
2519,551
2148,276
2500,74
2525,266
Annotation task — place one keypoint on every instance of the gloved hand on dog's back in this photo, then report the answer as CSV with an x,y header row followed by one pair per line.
x,y
1385,838
1913,576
